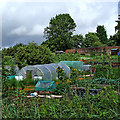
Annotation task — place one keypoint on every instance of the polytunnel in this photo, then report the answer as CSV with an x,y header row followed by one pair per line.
x,y
46,72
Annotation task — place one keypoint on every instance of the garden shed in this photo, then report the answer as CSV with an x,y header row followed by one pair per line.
x,y
46,72
114,51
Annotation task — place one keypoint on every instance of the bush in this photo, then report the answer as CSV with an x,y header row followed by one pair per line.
x,y
13,83
33,54
29,82
62,88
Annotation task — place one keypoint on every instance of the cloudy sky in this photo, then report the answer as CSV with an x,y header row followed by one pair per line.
x,y
24,22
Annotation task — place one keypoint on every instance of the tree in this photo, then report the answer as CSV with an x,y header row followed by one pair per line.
x,y
117,28
8,60
59,32
101,33
90,39
117,35
97,44
33,54
77,41
11,50
112,41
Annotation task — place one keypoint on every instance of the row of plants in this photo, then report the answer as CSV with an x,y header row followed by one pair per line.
x,y
8,84
103,59
77,79
70,57
104,105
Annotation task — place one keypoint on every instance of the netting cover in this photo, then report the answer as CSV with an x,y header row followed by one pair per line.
x,y
45,86
75,64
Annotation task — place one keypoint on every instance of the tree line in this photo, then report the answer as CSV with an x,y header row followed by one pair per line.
x,y
59,35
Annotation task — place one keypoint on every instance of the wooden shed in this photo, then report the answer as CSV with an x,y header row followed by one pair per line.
x,y
114,51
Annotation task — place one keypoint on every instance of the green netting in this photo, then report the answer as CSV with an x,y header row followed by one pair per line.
x,y
75,64
104,81
45,86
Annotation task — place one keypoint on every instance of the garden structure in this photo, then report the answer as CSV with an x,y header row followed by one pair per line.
x,y
45,86
114,51
75,64
46,72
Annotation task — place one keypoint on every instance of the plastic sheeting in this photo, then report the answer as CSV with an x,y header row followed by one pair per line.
x,y
46,71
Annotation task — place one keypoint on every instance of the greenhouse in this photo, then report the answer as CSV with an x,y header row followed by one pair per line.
x,y
46,72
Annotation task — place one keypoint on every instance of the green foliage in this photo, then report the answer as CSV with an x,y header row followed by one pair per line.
x,y
8,60
117,28
101,33
13,83
27,55
27,82
33,54
12,70
116,38
21,84
77,41
69,57
59,32
112,41
101,106
105,81
97,44
73,76
5,85
11,50
90,40
62,88
61,75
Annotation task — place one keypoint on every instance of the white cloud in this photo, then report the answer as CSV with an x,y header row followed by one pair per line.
x,y
36,30
19,31
27,20
22,30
